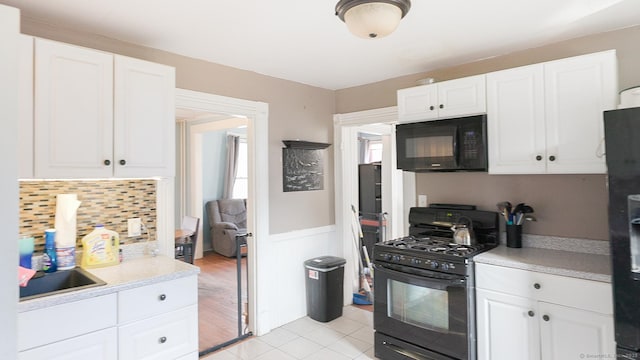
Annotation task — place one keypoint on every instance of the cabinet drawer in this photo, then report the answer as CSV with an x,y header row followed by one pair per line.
x,y
60,322
99,345
579,293
167,336
150,300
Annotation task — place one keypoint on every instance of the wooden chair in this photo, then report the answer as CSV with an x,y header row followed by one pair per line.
x,y
187,238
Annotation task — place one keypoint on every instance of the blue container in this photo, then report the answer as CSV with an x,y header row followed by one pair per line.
x,y
49,258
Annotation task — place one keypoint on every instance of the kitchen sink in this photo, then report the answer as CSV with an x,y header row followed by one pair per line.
x,y
45,284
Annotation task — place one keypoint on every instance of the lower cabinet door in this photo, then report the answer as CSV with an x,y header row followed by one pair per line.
x,y
99,345
570,333
507,327
169,336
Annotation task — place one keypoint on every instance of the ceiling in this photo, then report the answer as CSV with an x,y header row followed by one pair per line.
x,y
303,41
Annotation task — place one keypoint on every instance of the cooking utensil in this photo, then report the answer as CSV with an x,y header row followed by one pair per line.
x,y
527,209
463,231
502,206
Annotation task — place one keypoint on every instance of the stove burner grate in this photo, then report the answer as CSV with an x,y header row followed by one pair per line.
x,y
432,245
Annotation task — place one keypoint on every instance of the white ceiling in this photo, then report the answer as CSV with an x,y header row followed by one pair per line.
x,y
303,41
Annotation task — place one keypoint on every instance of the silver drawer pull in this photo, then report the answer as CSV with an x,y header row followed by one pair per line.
x,y
163,340
162,297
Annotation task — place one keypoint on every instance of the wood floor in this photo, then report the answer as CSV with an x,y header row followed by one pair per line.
x,y
217,299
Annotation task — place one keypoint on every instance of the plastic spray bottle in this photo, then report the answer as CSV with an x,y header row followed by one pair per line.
x,y
49,258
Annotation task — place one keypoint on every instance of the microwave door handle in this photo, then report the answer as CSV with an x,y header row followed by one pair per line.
x,y
455,145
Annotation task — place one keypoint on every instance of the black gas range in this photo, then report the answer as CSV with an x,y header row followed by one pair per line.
x,y
424,304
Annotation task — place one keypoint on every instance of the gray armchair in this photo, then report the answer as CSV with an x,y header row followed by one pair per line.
x,y
227,217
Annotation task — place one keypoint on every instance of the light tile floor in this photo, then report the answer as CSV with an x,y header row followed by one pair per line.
x,y
347,337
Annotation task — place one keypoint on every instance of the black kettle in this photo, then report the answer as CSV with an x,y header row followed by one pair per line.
x,y
463,231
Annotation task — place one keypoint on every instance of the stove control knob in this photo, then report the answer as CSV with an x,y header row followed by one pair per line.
x,y
395,258
445,266
434,264
415,261
385,257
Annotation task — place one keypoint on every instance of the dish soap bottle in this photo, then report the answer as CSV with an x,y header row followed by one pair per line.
x,y
100,248
49,258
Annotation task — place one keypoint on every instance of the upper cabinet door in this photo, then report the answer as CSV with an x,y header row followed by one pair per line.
x,y
578,90
418,103
144,119
459,97
465,96
515,121
73,111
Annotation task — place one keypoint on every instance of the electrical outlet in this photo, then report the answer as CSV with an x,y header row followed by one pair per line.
x,y
134,227
422,200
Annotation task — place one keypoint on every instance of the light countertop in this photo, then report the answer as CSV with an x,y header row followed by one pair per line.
x,y
552,261
128,274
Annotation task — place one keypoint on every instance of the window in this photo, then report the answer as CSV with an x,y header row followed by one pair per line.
x,y
374,151
241,185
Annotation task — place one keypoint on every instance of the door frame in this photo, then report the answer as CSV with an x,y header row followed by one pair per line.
x,y
257,115
400,193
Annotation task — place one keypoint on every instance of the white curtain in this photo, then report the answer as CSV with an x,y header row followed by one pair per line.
x,y
233,143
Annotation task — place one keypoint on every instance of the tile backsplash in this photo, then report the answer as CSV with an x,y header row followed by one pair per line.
x,y
107,202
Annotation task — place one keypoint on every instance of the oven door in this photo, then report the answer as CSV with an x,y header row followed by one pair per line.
x,y
425,308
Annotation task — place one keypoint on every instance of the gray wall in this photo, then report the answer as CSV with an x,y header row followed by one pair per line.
x,y
214,153
566,205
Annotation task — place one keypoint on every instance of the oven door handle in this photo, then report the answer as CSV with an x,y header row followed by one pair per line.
x,y
410,354
437,279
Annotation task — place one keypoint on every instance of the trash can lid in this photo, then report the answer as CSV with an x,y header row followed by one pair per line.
x,y
325,262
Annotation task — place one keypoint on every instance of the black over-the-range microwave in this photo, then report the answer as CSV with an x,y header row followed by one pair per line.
x,y
458,144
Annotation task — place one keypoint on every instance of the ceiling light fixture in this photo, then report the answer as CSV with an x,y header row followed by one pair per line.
x,y
371,19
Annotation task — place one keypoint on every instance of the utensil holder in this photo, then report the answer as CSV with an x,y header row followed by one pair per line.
x,y
514,236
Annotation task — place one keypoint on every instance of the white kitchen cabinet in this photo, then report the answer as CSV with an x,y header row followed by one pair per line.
x,y
459,97
147,301
25,94
568,333
144,120
529,315
99,345
547,118
66,321
507,326
159,321
98,115
515,120
155,321
167,336
73,111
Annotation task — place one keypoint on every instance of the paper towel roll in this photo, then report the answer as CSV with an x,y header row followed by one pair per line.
x,y
65,223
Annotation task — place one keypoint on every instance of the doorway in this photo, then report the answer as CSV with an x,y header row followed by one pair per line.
x,y
206,112
398,187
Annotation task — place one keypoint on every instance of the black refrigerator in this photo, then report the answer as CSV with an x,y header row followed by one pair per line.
x,y
622,139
